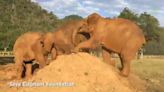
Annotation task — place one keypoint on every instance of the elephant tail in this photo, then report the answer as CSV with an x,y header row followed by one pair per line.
x,y
143,41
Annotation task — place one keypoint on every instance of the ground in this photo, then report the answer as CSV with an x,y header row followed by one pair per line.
x,y
91,73
152,71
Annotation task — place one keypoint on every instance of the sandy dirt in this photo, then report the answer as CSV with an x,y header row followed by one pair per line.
x,y
79,72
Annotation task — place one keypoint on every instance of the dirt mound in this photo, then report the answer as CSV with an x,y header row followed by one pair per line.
x,y
78,73
7,72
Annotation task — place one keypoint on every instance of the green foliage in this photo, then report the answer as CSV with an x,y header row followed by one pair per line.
x,y
19,16
150,26
154,47
72,17
69,18
128,14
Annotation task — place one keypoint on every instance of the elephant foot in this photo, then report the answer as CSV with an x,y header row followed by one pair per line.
x,y
28,73
120,68
48,62
124,73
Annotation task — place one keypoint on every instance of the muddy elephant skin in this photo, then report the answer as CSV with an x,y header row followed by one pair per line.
x,y
28,47
117,35
63,39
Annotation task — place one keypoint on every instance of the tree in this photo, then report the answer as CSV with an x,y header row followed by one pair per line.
x,y
150,26
148,23
72,17
156,48
128,14
20,16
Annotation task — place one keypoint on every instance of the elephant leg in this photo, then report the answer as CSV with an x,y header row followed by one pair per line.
x,y
28,73
126,57
89,44
19,67
107,57
46,59
125,61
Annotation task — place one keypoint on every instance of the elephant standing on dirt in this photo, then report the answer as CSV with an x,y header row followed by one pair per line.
x,y
28,47
114,35
64,39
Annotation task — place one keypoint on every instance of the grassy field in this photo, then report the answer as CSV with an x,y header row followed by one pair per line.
x,y
152,71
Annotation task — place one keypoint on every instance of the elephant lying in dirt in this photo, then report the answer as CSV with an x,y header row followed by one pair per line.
x,y
64,39
28,47
114,35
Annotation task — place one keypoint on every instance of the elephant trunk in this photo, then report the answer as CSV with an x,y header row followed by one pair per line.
x,y
48,42
75,32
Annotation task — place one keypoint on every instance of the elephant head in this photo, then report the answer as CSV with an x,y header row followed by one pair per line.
x,y
93,18
79,32
91,23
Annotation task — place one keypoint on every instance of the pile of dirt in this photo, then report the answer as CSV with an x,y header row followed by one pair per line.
x,y
7,72
79,72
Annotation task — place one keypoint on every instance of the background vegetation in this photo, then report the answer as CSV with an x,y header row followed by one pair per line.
x,y
20,16
153,32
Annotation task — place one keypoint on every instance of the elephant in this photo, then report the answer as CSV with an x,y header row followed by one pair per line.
x,y
64,39
28,47
118,35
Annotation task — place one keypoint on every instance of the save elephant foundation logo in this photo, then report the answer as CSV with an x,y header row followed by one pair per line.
x,y
41,84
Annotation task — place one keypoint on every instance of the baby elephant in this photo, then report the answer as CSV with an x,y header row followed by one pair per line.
x,y
28,47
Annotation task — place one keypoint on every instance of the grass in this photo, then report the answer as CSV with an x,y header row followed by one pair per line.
x,y
152,71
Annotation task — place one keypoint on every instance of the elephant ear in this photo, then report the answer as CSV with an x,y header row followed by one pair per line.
x,y
77,29
93,18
